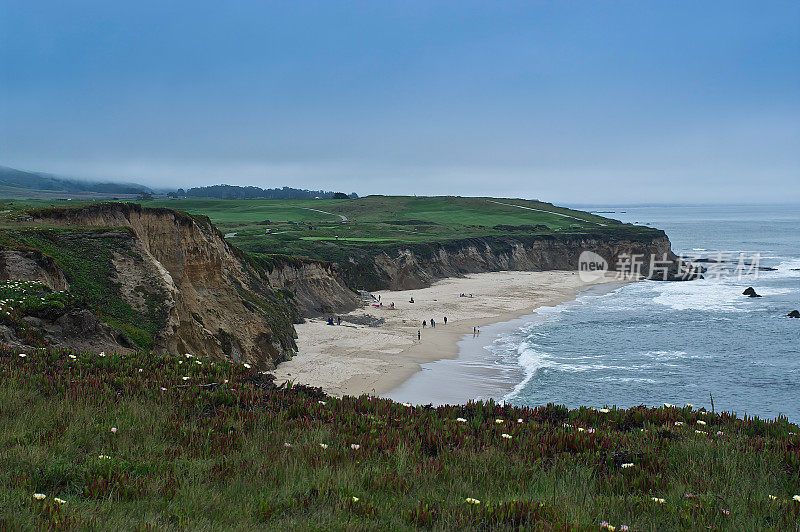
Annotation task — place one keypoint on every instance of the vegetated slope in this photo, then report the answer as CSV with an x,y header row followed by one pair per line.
x,y
151,442
409,242
19,183
169,281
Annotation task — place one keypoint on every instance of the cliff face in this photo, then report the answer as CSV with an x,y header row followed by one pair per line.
x,y
316,287
214,301
408,268
31,265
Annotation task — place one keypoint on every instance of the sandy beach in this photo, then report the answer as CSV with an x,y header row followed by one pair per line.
x,y
355,358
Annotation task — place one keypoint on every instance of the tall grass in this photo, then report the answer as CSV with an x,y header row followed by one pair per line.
x,y
226,448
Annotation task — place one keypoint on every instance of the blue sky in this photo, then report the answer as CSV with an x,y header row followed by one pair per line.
x,y
564,101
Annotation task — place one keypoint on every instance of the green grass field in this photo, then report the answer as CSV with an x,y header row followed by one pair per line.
x,y
149,442
324,229
447,211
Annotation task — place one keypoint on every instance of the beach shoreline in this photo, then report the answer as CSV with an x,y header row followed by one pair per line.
x,y
476,372
357,357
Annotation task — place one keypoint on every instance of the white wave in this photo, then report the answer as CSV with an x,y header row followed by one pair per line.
x,y
705,294
665,355
612,378
786,268
531,361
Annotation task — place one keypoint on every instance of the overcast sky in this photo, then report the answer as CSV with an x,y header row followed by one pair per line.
x,y
564,101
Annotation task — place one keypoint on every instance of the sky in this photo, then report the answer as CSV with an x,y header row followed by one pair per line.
x,y
564,101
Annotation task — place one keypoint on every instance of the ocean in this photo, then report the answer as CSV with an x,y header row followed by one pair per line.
x,y
652,342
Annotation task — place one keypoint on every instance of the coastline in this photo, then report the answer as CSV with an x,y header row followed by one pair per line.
x,y
355,358
476,373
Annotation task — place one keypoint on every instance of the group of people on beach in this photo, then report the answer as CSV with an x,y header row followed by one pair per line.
x,y
433,322
377,303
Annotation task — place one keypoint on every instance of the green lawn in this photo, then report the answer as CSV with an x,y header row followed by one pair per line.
x,y
297,226
451,211
204,445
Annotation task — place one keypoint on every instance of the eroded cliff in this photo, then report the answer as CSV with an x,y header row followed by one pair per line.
x,y
209,298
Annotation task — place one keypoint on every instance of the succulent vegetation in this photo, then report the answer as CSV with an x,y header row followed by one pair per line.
x,y
30,298
144,441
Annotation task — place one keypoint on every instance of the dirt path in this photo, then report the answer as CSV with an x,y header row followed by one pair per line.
x,y
542,210
344,218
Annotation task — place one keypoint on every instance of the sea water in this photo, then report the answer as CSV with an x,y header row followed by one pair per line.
x,y
653,342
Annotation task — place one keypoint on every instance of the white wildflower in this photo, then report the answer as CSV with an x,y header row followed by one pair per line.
x,y
59,501
461,420
659,501
470,500
626,466
39,496
356,499
355,446
114,430
248,366
323,445
701,422
604,410
498,421
506,436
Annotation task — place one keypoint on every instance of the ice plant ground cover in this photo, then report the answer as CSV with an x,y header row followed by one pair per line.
x,y
229,449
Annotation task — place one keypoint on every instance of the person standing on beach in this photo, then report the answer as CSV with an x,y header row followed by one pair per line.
x,y
445,320
424,324
433,323
419,335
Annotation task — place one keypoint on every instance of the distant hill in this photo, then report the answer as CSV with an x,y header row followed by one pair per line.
x,y
237,192
15,182
23,184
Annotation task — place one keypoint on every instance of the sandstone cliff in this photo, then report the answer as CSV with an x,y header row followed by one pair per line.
x,y
214,300
406,267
